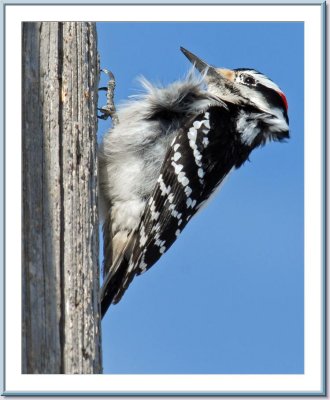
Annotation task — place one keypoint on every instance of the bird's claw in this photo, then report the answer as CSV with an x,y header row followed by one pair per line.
x,y
109,73
109,110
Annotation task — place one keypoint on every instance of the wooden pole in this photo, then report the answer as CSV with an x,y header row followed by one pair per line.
x,y
60,271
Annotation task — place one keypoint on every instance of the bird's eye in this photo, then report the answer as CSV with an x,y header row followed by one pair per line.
x,y
248,80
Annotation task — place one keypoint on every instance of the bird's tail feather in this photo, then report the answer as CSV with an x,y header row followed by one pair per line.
x,y
118,278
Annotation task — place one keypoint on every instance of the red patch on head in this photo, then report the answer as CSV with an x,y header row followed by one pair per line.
x,y
285,101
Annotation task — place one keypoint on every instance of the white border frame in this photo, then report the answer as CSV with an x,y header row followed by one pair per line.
x,y
312,381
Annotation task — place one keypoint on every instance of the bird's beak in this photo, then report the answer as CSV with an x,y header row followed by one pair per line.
x,y
210,71
198,63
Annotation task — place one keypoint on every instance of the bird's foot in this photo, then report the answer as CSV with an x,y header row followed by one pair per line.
x,y
109,110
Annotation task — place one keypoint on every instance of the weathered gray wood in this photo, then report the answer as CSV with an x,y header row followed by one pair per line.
x,y
60,280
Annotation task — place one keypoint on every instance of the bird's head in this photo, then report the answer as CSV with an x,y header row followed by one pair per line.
x,y
257,94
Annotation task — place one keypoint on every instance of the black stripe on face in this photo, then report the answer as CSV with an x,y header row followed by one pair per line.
x,y
273,98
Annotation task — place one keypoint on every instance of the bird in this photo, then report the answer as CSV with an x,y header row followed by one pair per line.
x,y
169,152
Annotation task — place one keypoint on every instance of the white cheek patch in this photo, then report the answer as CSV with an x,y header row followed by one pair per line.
x,y
278,123
247,125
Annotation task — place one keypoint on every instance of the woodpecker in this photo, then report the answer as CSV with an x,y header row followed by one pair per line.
x,y
169,153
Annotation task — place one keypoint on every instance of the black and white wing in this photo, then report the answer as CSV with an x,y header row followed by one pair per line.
x,y
197,161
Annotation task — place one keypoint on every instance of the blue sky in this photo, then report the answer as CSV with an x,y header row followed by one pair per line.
x,y
228,297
